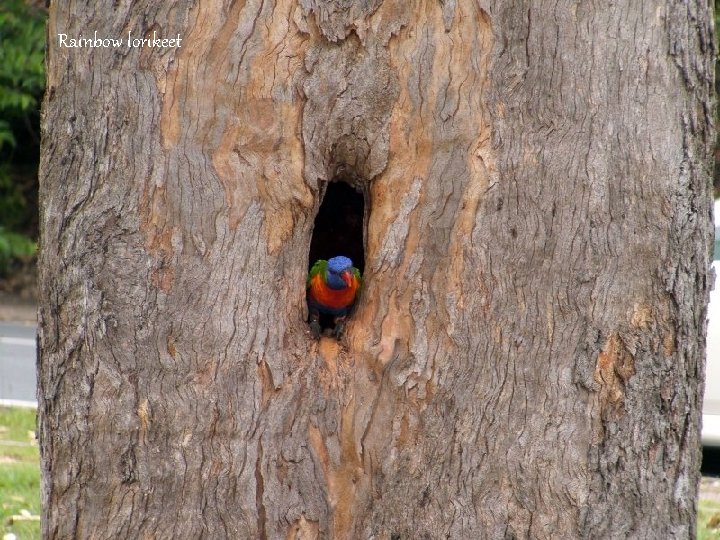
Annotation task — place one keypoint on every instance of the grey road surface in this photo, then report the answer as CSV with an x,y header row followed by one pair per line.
x,y
17,362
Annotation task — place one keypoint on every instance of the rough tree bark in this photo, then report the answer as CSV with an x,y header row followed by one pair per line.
x,y
527,357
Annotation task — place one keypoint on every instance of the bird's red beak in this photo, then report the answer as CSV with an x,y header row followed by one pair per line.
x,y
347,277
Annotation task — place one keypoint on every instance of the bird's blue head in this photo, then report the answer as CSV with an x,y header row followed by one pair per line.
x,y
339,263
336,266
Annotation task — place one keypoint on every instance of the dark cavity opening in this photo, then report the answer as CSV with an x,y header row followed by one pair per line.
x,y
339,226
338,229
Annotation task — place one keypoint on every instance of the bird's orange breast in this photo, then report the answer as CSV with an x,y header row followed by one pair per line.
x,y
333,298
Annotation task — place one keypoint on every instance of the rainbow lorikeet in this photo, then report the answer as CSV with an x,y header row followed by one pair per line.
x,y
332,288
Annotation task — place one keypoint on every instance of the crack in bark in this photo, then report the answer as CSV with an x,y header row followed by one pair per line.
x,y
259,494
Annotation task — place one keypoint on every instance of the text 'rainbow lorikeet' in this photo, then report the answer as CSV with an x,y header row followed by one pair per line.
x,y
332,289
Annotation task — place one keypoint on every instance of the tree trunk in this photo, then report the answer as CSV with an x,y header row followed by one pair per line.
x,y
526,359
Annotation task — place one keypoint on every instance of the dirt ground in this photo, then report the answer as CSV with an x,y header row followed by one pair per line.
x,y
16,308
710,488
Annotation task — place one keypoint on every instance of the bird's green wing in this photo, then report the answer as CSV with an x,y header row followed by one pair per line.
x,y
357,275
319,266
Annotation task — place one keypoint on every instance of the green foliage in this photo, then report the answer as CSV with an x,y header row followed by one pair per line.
x,y
22,82
13,203
14,246
22,70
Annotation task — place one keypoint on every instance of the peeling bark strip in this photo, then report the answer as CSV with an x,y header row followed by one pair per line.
x,y
526,357
615,366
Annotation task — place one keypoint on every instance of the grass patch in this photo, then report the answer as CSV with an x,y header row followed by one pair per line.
x,y
17,435
708,520
19,473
